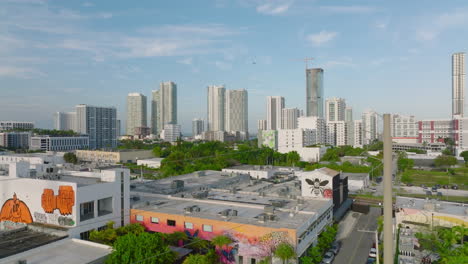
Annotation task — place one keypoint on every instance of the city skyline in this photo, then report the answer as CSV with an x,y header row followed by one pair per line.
x,y
415,47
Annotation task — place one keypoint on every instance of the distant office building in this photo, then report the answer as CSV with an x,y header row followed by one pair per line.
x,y
15,140
404,129
275,105
142,132
460,134
198,126
314,123
236,111
357,134
171,132
118,128
65,121
432,131
216,107
99,123
289,118
369,126
301,141
262,124
65,143
338,133
314,92
335,109
11,125
136,112
163,107
458,84
349,114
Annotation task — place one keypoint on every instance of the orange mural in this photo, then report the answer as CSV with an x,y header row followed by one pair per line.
x,y
15,210
64,201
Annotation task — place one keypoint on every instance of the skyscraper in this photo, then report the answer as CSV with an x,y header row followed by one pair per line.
x,y
369,127
99,123
236,111
275,105
198,126
216,108
349,114
458,84
335,109
289,118
314,92
163,107
136,112
65,121
262,124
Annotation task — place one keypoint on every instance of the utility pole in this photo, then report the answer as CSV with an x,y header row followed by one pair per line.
x,y
387,183
376,232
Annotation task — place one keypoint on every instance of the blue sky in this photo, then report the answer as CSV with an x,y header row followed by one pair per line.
x,y
390,56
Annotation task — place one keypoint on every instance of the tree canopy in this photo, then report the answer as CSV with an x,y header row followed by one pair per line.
x,y
284,251
70,157
445,161
449,243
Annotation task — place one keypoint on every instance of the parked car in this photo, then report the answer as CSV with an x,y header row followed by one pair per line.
x,y
336,246
438,186
428,193
439,193
373,253
455,187
434,189
445,186
370,261
423,186
409,184
328,257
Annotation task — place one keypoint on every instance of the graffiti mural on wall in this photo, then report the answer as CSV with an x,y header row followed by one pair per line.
x,y
54,219
15,210
319,188
64,201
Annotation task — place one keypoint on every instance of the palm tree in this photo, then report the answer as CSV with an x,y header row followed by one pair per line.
x,y
221,241
284,251
175,238
198,244
195,259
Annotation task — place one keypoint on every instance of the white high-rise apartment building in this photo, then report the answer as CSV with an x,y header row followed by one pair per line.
x,y
163,107
338,133
275,105
458,84
314,92
136,112
404,126
99,123
335,109
314,123
198,126
171,132
262,124
216,108
369,126
349,114
357,134
65,121
236,111
289,118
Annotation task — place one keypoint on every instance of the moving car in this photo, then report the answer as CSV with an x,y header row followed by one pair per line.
x,y
328,257
373,253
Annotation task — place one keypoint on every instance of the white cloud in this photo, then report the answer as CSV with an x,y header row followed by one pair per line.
x,y
274,7
223,65
19,72
186,61
321,38
432,27
348,9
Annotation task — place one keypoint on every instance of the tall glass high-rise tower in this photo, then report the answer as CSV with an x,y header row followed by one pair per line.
x,y
314,92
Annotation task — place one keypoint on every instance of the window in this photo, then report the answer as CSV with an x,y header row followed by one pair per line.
x,y
85,235
208,228
105,206
188,225
139,218
171,222
104,227
241,259
86,211
154,220
253,261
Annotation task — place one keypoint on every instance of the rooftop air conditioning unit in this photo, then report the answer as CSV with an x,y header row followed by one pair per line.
x,y
196,208
234,212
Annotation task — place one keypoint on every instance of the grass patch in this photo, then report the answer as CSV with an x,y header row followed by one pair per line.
x,y
430,178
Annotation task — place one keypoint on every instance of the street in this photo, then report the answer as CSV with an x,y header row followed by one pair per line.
x,y
450,192
356,245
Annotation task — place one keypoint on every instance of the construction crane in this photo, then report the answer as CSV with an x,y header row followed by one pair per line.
x,y
306,60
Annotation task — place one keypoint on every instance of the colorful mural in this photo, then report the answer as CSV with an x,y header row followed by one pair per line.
x,y
248,240
64,201
15,210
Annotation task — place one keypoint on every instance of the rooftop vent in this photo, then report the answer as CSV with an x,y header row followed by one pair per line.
x,y
225,213
269,209
234,212
177,184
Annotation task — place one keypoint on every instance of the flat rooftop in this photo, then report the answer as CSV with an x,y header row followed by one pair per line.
x,y
265,168
289,213
354,176
70,251
458,209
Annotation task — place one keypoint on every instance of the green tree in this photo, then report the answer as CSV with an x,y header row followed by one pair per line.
x,y
197,244
157,151
196,259
464,154
221,241
70,157
285,252
403,162
175,238
293,157
445,161
145,248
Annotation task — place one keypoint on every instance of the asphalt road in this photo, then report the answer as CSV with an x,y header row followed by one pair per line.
x,y
356,245
450,192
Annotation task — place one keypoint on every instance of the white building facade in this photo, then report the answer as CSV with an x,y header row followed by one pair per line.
x,y
136,112
335,109
236,111
369,126
171,133
458,84
65,121
216,107
10,125
289,118
262,124
51,143
275,106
